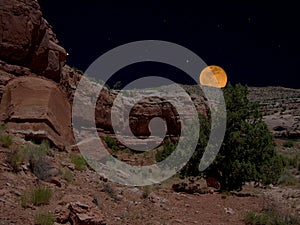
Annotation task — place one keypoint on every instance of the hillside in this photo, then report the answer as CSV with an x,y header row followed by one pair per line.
x,y
44,179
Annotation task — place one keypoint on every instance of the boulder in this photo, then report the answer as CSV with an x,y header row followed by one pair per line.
x,y
26,39
79,210
37,109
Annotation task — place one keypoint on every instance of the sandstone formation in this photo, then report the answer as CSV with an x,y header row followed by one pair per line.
x,y
26,39
140,114
36,108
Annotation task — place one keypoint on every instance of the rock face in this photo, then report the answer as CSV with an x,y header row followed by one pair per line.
x,y
140,114
26,39
35,108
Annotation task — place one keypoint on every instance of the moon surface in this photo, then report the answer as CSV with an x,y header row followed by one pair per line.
x,y
213,76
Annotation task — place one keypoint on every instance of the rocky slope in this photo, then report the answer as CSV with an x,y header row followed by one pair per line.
x,y
280,108
36,95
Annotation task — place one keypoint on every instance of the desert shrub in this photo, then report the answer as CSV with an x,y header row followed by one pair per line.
x,y
247,152
39,196
5,140
287,179
146,191
191,168
117,85
288,144
34,155
3,127
168,148
44,219
79,162
111,143
15,159
107,188
78,70
39,165
270,217
290,162
66,174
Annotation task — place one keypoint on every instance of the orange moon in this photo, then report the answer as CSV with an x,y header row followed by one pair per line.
x,y
213,76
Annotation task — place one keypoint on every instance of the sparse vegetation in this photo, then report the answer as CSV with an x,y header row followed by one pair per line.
x,y
39,196
33,156
291,162
111,143
79,162
77,70
168,148
147,191
66,174
5,140
287,179
44,219
270,217
288,144
3,127
110,191
117,85
16,158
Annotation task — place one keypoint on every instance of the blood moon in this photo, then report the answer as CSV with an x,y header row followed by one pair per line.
x,y
213,76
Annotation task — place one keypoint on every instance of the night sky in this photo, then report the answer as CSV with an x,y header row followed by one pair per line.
x,y
256,44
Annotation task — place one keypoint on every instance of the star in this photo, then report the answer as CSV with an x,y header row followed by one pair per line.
x,y
187,61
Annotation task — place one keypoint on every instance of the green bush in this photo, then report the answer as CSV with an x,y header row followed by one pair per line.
x,y
168,148
270,217
247,152
5,140
39,196
288,144
111,143
3,127
79,162
44,219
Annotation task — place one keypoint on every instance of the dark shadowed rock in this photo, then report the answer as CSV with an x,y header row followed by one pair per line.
x,y
26,39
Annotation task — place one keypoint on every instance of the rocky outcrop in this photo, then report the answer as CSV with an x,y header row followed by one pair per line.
x,y
70,78
36,108
140,114
79,210
29,48
26,39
